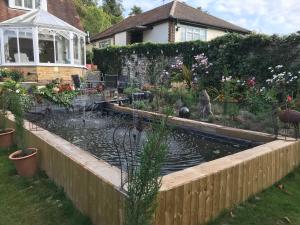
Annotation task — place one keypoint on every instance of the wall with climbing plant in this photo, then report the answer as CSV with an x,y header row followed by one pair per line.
x,y
232,54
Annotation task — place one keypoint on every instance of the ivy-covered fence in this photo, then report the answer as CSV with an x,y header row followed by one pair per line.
x,y
232,54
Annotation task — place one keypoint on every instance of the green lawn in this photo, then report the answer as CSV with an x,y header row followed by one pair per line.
x,y
275,206
33,201
39,202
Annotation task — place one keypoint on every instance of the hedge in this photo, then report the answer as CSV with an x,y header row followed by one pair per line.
x,y
240,56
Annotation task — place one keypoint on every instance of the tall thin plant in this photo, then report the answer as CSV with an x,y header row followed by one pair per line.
x,y
145,182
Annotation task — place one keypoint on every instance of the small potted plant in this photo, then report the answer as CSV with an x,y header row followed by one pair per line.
x,y
25,159
6,134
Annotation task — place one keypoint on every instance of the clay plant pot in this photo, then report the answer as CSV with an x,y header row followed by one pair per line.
x,y
6,138
26,166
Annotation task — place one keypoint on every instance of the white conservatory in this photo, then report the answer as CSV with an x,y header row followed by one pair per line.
x,y
42,45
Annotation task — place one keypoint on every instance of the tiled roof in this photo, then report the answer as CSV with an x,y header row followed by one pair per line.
x,y
174,10
63,9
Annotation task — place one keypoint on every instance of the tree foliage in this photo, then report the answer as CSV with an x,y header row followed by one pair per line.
x,y
135,10
96,18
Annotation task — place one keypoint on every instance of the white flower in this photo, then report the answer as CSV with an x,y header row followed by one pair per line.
x,y
279,66
17,91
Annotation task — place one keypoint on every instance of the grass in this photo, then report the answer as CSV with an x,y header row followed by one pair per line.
x,y
35,201
278,205
38,201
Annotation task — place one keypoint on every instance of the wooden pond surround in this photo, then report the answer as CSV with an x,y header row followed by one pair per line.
x,y
189,197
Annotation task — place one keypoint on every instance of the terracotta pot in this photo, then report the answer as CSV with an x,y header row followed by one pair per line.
x,y
26,166
6,138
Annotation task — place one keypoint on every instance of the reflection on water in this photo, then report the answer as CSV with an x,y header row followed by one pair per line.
x,y
94,133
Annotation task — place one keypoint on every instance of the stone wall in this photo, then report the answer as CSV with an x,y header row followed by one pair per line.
x,y
142,70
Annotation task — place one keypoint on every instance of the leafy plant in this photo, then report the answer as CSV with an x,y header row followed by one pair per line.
x,y
60,94
17,101
139,105
15,75
145,182
131,90
187,76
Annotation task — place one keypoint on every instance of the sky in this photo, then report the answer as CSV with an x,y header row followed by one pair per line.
x,y
263,16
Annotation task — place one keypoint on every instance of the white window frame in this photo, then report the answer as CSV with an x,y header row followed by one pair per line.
x,y
35,32
43,5
105,43
193,31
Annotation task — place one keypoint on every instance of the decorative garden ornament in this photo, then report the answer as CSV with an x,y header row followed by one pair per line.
x,y
184,112
204,104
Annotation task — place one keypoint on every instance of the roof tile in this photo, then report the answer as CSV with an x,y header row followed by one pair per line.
x,y
63,9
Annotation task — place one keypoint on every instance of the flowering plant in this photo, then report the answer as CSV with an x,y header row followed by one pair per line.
x,y
281,77
61,94
198,70
282,80
201,65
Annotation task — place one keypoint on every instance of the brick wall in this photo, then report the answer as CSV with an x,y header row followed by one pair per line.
x,y
43,74
171,31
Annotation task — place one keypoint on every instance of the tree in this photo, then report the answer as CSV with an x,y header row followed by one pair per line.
x,y
92,17
135,10
113,7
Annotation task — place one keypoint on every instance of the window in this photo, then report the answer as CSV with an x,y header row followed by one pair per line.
x,y
76,48
46,47
28,4
10,46
62,46
189,33
82,50
26,46
104,43
18,46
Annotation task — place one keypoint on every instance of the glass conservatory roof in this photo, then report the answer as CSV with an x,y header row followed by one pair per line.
x,y
39,18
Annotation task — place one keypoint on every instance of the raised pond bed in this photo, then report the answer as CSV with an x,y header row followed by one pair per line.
x,y
191,196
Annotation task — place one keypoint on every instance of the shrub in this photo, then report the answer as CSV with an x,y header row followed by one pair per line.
x,y
15,75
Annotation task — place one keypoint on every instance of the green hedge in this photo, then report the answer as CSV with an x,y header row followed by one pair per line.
x,y
239,56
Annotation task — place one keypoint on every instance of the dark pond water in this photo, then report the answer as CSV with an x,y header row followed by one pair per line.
x,y
95,132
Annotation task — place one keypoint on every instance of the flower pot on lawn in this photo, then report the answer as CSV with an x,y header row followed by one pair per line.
x,y
26,165
6,138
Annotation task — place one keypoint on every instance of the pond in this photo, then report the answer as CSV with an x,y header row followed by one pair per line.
x,y
99,133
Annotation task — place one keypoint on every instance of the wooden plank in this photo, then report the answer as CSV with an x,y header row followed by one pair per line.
x,y
229,187
178,210
169,213
194,204
209,198
202,200
160,212
186,217
222,191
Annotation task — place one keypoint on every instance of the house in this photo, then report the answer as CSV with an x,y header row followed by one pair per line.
x,y
172,22
41,38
